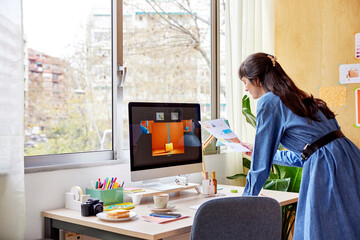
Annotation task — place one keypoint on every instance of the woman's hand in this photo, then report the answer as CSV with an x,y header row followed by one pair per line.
x,y
250,146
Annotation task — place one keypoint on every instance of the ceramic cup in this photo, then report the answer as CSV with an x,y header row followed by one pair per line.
x,y
161,200
136,199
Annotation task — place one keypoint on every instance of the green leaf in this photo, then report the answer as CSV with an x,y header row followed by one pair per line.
x,y
277,184
294,173
250,118
246,102
246,163
246,110
277,170
273,175
282,171
236,176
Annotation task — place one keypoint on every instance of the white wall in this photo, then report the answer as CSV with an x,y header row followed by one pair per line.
x,y
46,190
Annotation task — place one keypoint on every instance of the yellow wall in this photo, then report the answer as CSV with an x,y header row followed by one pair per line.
x,y
312,37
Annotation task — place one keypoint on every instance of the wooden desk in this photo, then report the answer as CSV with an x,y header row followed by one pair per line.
x,y
137,228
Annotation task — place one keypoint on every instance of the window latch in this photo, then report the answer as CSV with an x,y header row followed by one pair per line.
x,y
123,71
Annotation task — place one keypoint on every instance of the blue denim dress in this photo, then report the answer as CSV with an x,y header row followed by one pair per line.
x,y
329,198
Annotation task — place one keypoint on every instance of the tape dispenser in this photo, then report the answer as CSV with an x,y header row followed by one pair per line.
x,y
75,198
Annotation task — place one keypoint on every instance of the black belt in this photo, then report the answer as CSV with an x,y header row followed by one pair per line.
x,y
311,148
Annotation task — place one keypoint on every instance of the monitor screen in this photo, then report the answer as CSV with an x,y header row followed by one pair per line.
x,y
165,139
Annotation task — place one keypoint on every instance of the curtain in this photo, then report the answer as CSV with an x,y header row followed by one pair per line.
x,y
12,195
250,28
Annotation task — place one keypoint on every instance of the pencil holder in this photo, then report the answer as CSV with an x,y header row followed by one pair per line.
x,y
109,197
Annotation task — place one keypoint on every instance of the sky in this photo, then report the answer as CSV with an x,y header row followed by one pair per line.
x,y
51,26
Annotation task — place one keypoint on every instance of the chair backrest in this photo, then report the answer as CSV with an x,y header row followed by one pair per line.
x,y
247,217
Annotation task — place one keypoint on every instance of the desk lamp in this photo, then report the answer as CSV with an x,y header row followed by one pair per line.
x,y
206,143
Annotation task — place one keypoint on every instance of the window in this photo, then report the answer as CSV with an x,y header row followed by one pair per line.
x,y
67,110
47,75
71,106
55,77
167,52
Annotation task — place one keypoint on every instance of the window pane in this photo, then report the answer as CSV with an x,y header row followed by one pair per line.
x,y
222,61
68,76
167,53
223,64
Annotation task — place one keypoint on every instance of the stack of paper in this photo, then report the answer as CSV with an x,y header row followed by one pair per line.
x,y
162,220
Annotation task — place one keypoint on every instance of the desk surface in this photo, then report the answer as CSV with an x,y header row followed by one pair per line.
x,y
139,228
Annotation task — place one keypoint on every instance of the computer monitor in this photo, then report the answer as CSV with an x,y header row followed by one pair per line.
x,y
165,139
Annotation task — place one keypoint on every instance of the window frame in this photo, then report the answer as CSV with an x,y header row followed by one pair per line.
x,y
118,72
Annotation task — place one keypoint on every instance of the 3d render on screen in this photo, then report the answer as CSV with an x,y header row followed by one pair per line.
x,y
164,135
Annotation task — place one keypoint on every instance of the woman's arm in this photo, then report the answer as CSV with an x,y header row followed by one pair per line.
x,y
267,139
288,158
283,158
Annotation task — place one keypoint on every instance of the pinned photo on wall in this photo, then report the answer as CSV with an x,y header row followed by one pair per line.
x,y
357,45
349,73
357,106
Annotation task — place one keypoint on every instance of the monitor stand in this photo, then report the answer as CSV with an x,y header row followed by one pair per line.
x,y
161,188
155,184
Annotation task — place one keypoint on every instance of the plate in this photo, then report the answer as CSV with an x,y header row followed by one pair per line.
x,y
167,209
103,216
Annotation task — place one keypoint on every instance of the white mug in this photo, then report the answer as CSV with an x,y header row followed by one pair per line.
x,y
161,200
136,198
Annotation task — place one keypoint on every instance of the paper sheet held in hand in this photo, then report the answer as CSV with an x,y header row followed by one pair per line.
x,y
223,133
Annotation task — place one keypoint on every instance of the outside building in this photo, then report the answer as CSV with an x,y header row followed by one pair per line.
x,y
47,88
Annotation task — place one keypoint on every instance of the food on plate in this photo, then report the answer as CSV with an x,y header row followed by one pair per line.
x,y
118,213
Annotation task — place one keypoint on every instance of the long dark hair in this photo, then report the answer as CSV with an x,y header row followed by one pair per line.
x,y
264,68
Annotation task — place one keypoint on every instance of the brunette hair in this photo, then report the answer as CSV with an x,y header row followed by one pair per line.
x,y
263,68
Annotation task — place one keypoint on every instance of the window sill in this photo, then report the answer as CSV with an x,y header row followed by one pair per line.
x,y
122,160
75,165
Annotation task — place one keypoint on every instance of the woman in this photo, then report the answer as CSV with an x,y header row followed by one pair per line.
x,y
329,198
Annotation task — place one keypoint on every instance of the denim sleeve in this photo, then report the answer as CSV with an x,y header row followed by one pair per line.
x,y
267,139
288,158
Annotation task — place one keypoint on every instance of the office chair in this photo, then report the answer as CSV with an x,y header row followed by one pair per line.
x,y
237,218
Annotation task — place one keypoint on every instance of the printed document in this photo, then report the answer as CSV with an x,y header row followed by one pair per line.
x,y
223,133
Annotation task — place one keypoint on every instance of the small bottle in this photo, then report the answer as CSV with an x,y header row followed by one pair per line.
x,y
205,183
214,181
211,188
205,186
